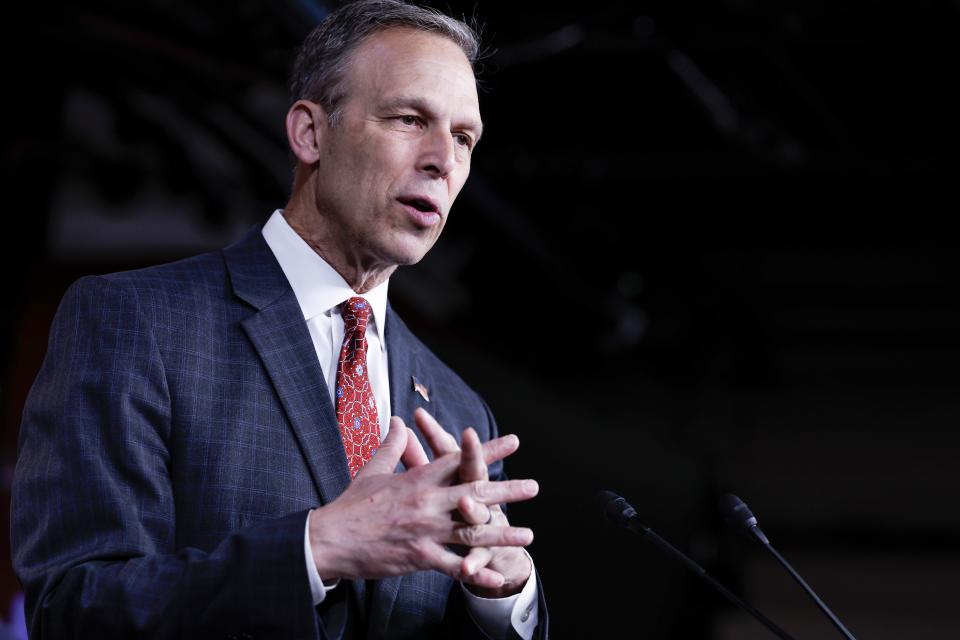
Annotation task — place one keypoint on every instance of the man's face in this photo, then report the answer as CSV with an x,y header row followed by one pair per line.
x,y
391,167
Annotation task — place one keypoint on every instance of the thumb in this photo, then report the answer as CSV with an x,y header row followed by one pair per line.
x,y
388,454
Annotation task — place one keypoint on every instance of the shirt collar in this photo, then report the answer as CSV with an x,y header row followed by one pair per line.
x,y
317,286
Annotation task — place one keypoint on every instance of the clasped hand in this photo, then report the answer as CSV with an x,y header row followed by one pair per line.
x,y
389,524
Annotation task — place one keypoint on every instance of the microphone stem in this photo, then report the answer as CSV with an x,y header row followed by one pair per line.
x,y
796,576
700,571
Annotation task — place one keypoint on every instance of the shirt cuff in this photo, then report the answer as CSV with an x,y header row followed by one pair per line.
x,y
495,616
318,588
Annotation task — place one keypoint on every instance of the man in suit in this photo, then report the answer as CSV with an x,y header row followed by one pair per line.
x,y
206,450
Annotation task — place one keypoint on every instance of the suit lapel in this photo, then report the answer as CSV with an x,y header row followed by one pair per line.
x,y
280,336
283,342
403,365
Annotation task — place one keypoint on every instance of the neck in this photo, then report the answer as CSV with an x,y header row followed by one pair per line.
x,y
361,277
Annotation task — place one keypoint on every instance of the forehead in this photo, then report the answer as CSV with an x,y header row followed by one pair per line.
x,y
404,62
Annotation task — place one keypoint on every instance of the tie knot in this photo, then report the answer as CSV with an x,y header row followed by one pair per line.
x,y
356,314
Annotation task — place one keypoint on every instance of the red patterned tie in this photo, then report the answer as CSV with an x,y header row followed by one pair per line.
x,y
356,406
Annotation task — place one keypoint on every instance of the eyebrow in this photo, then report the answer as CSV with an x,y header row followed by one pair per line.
x,y
420,104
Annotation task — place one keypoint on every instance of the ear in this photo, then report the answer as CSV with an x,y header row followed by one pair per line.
x,y
306,122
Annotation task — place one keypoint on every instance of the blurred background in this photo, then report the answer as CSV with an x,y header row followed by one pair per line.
x,y
725,225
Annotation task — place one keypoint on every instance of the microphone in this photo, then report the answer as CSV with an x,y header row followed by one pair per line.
x,y
738,514
618,511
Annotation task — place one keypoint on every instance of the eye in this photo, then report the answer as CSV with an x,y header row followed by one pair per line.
x,y
463,140
408,120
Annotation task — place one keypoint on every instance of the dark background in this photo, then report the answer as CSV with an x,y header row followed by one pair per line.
x,y
704,249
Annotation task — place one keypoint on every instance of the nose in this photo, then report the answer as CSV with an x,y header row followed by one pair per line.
x,y
438,155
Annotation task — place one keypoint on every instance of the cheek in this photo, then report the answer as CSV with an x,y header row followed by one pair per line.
x,y
456,184
384,173
361,160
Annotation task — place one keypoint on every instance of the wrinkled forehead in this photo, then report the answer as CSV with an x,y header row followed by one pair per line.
x,y
404,64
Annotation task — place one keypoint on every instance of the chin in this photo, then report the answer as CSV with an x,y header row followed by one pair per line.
x,y
408,253
408,259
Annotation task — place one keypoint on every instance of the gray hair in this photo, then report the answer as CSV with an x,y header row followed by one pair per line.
x,y
321,65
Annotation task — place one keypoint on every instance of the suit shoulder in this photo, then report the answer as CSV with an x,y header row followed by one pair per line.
x,y
185,283
196,272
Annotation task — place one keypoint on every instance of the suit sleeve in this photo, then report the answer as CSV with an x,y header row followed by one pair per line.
x,y
93,520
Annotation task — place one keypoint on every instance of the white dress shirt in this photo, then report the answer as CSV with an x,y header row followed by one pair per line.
x,y
320,290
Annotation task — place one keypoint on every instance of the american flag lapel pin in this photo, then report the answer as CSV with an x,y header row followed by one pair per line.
x,y
420,388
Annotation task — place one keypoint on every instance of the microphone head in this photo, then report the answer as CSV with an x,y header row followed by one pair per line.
x,y
736,512
615,509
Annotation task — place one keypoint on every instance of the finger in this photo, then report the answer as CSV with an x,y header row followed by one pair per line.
x,y
476,559
485,578
485,535
446,561
440,441
413,455
472,466
474,512
489,492
500,448
388,454
445,469
497,516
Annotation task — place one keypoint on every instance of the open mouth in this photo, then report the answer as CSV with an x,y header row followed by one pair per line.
x,y
420,204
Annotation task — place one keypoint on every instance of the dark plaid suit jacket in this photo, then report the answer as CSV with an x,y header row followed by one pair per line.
x,y
176,435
